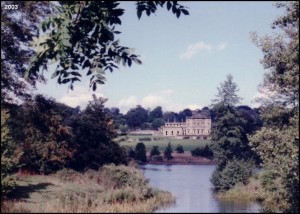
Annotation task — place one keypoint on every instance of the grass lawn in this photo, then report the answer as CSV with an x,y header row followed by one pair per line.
x,y
162,142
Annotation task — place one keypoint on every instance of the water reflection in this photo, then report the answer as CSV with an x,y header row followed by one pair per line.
x,y
191,186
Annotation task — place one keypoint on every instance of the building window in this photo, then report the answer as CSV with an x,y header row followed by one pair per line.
x,y
178,132
172,133
166,132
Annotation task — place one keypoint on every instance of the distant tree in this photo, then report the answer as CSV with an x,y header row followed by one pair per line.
x,y
140,152
156,113
154,151
157,123
182,115
168,152
227,93
179,149
170,116
146,126
136,117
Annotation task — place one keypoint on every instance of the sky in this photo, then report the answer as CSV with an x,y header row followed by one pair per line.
x,y
184,59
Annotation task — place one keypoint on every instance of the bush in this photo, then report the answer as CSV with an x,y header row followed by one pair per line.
x,y
168,152
204,152
154,151
234,172
179,149
145,139
140,152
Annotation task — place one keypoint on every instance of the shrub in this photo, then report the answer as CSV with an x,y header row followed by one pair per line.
x,y
168,152
154,151
145,139
140,152
204,152
179,149
234,172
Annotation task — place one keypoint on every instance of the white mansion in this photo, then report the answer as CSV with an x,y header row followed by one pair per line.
x,y
196,126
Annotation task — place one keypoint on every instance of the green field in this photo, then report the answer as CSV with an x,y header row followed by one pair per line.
x,y
162,142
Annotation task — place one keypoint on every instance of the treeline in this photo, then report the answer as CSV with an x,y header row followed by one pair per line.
x,y
47,136
142,118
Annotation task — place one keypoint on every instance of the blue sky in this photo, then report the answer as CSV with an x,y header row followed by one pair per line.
x,y
184,60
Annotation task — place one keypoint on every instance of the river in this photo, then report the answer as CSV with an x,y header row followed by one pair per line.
x,y
191,186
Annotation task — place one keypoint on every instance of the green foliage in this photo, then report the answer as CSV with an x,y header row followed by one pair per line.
x,y
93,133
154,151
234,172
43,140
203,151
277,142
140,152
136,117
82,36
227,92
8,162
168,152
179,149
15,37
157,123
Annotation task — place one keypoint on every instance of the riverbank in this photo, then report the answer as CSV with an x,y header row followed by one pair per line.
x,y
185,158
112,189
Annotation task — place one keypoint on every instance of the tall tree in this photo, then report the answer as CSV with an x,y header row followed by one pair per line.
x,y
277,142
227,92
231,147
82,36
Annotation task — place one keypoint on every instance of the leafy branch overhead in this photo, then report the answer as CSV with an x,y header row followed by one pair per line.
x,y
82,37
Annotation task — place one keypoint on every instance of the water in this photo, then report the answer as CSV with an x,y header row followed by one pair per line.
x,y
191,186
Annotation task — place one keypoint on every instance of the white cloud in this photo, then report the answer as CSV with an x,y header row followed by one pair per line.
x,y
221,46
160,98
80,96
126,103
194,49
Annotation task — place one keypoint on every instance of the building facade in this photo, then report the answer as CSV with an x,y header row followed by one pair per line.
x,y
196,126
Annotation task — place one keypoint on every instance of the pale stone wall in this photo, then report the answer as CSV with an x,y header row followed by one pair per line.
x,y
192,127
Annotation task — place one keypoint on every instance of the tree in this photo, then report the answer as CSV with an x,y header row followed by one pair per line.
x,y
136,117
231,144
82,35
179,149
157,123
43,141
227,92
17,29
8,162
168,152
155,114
277,142
140,152
154,151
93,133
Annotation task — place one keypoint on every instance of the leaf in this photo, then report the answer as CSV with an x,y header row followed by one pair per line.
x,y
86,64
74,73
178,13
44,26
129,62
94,86
89,72
169,5
64,81
139,13
185,12
55,74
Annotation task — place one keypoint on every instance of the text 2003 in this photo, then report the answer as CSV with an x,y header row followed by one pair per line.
x,y
11,7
